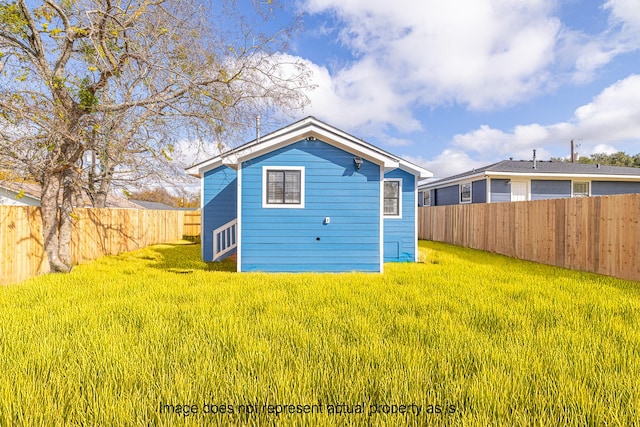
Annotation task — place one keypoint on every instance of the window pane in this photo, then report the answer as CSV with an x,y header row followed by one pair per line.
x,y
275,187
465,192
580,189
391,189
391,198
292,187
391,207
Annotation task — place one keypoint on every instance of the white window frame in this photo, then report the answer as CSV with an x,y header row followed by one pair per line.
x,y
399,181
426,195
573,190
460,192
266,169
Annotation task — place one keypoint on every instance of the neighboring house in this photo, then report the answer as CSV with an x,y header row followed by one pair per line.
x,y
516,180
309,197
28,194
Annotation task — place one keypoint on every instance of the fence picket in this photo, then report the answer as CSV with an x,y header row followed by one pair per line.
x,y
596,234
95,233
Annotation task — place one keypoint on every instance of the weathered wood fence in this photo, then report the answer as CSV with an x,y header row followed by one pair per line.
x,y
95,233
596,234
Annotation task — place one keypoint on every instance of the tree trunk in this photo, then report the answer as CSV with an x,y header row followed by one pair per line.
x,y
69,189
50,221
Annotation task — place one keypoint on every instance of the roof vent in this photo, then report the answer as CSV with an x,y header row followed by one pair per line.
x,y
535,166
597,165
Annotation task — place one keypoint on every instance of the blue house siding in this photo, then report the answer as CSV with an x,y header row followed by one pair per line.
x,y
500,190
479,191
606,188
399,233
298,239
542,189
219,205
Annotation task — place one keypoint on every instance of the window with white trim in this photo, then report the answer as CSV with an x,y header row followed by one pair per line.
x,y
465,192
426,198
283,187
580,189
393,198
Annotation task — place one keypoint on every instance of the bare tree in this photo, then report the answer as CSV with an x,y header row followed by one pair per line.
x,y
90,87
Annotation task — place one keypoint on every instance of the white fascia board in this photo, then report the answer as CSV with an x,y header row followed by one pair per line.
x,y
308,127
573,176
466,178
199,169
314,131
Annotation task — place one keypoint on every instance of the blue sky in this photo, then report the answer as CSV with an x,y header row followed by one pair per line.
x,y
456,84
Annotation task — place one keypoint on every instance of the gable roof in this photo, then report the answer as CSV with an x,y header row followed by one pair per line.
x,y
543,169
307,128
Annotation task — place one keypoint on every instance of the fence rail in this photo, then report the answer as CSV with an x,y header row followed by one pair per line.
x,y
596,234
95,233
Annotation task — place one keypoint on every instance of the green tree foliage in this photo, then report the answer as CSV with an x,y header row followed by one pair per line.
x,y
616,159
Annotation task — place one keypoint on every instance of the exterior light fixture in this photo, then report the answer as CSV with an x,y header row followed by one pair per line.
x,y
358,161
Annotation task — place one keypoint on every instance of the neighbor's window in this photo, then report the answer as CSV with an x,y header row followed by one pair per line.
x,y
465,193
426,198
392,198
283,187
580,189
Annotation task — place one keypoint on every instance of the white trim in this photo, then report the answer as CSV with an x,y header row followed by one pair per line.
x,y
527,189
230,232
239,225
312,129
460,193
445,182
202,218
283,205
382,217
573,182
427,194
415,221
488,188
528,176
399,181
577,175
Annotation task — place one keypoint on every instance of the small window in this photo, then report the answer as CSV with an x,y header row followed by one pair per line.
x,y
465,193
580,189
392,198
426,198
283,187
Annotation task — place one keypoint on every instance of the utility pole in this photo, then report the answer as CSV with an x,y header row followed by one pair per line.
x,y
573,156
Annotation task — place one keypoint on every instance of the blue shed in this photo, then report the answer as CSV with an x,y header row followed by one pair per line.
x,y
309,197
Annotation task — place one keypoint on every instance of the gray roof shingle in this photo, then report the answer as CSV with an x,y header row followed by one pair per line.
x,y
542,167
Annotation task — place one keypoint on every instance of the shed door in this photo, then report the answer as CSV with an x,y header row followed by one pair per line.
x,y
518,191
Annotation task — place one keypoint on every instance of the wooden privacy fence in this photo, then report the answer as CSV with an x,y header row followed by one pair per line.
x,y
192,223
596,234
95,233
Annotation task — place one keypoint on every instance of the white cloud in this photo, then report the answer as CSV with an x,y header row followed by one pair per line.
x,y
347,99
603,148
447,163
485,54
626,12
612,117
